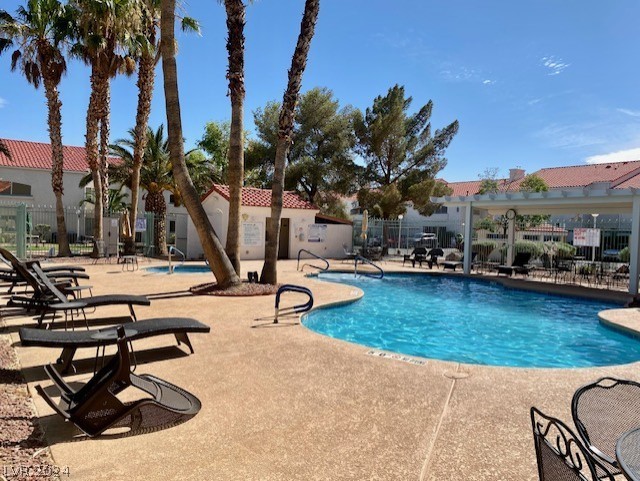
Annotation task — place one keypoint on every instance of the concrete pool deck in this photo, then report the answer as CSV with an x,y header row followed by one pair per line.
x,y
281,402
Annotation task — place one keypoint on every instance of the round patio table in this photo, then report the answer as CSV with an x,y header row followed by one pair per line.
x,y
628,454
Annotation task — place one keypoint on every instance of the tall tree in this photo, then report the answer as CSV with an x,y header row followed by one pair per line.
x,y
104,31
146,50
214,252
285,130
399,148
38,33
320,161
235,74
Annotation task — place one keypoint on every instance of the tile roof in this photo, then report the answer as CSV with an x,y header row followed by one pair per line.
x,y
37,155
614,173
618,175
252,197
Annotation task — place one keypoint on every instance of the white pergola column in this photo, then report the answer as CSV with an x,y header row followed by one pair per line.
x,y
468,237
634,247
511,239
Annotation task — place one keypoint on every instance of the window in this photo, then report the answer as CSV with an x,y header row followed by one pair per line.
x,y
172,226
530,237
441,210
15,189
172,199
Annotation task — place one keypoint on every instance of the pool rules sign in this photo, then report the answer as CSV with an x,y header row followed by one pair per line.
x,y
586,237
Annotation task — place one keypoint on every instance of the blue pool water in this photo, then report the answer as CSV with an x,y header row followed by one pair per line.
x,y
181,269
475,322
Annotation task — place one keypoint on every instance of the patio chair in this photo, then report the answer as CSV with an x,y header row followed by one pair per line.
x,y
560,455
49,298
602,412
433,257
349,255
455,264
519,265
70,342
419,255
14,276
95,407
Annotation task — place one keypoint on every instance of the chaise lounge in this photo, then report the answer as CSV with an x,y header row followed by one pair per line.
x,y
70,342
95,407
49,298
519,265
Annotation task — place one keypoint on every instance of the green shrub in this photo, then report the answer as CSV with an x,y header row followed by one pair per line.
x,y
625,255
536,249
483,249
564,250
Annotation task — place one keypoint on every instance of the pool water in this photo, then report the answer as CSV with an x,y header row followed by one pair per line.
x,y
474,322
181,269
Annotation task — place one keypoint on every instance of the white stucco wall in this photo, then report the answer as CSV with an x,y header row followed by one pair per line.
x,y
217,209
41,191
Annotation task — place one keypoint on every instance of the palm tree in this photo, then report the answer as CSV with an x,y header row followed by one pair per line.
x,y
116,203
103,32
235,74
147,51
214,252
285,130
38,33
155,176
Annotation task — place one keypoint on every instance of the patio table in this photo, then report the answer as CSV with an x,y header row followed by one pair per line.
x,y
628,454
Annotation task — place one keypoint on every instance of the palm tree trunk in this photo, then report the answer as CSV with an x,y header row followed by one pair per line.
x,y
146,80
285,129
91,147
214,252
57,161
235,74
155,203
105,110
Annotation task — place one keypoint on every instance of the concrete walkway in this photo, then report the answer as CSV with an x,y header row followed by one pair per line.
x,y
281,402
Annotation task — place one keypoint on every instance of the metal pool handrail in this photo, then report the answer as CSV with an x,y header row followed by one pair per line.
x,y
172,250
364,260
311,265
298,308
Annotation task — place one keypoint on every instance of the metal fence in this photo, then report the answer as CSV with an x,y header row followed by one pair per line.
x,y
31,231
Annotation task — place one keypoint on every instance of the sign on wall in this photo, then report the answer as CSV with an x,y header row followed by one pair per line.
x,y
252,234
586,237
141,224
317,233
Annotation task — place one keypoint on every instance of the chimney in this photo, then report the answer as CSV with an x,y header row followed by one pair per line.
x,y
516,174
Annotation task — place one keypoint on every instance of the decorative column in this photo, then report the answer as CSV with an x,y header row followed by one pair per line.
x,y
468,237
511,240
634,247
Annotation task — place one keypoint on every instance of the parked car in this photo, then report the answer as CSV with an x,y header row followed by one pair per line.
x,y
426,239
611,255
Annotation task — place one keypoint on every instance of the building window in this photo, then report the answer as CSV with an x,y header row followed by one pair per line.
x,y
441,210
172,199
172,226
15,189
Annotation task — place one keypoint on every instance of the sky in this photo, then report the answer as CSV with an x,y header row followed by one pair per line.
x,y
533,84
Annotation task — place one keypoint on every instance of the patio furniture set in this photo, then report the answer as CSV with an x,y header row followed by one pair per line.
x,y
95,406
606,414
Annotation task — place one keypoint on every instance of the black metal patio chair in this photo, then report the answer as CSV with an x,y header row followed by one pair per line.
x,y
559,453
602,412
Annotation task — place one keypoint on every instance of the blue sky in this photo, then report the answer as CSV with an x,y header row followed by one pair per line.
x,y
533,83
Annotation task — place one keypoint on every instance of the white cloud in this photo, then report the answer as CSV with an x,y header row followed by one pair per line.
x,y
534,101
3,102
619,156
554,64
632,113
571,136
488,82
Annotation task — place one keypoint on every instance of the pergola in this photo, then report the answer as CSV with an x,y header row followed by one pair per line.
x,y
554,202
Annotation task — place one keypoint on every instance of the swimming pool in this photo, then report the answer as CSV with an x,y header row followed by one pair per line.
x,y
181,269
474,322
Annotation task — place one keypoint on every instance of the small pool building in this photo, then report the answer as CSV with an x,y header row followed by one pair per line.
x,y
302,226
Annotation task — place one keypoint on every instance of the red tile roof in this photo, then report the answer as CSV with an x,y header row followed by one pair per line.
x,y
37,155
614,173
618,175
252,197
